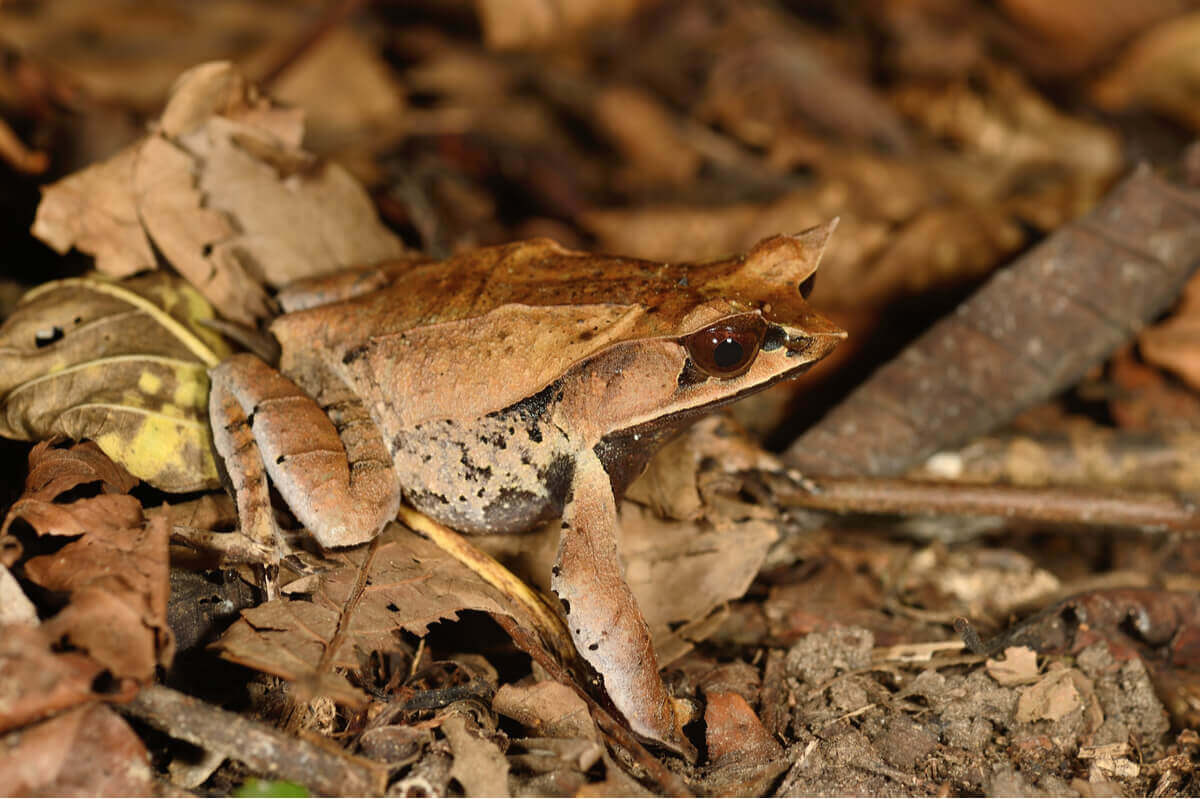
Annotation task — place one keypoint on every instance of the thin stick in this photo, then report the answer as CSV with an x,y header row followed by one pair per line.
x,y
1062,506
265,750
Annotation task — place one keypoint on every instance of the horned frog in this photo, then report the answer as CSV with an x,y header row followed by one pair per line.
x,y
510,386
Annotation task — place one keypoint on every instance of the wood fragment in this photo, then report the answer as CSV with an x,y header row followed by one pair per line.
x,y
1146,511
1031,331
263,749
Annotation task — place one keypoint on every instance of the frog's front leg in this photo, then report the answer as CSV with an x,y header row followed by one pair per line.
x,y
602,613
339,485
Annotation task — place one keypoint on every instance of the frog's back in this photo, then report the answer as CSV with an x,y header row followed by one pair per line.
x,y
475,334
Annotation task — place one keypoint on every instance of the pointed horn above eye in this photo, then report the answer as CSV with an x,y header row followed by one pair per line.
x,y
791,259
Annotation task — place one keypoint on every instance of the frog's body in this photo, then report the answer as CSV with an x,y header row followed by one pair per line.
x,y
507,387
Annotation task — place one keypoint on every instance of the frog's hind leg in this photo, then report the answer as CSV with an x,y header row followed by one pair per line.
x,y
340,485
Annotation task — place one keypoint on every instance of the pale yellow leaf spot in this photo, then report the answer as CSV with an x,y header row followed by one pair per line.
x,y
192,391
159,446
150,383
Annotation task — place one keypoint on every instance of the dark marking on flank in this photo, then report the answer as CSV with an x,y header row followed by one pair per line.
x,y
566,607
593,647
280,459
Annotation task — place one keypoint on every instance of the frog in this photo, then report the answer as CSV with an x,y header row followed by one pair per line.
x,y
509,387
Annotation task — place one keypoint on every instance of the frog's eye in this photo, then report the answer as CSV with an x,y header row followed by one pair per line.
x,y
727,348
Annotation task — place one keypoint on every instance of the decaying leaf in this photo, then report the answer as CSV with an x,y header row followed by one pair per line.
x,y
367,597
121,363
224,191
479,765
39,682
114,572
88,751
546,709
744,757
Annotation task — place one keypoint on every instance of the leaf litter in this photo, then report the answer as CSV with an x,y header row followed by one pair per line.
x,y
838,671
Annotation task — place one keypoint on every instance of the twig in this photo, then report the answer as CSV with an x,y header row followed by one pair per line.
x,y
1058,505
263,749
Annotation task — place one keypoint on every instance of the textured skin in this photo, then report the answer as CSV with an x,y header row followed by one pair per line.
x,y
504,388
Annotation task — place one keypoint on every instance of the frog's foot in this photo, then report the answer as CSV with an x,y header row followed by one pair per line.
x,y
602,613
340,486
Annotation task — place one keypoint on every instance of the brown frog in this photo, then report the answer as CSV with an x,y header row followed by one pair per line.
x,y
507,387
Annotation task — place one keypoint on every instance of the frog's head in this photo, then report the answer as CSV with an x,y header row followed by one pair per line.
x,y
732,328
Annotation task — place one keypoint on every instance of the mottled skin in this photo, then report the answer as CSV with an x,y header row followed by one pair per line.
x,y
501,389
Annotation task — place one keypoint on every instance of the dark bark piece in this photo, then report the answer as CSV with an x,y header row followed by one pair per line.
x,y
1034,329
265,750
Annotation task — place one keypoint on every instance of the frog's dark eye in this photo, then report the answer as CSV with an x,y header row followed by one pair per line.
x,y
727,348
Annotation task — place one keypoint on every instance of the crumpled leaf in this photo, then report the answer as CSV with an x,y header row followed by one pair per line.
x,y
124,364
88,751
399,581
223,189
115,572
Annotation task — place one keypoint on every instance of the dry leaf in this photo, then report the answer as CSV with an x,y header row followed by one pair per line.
x,y
349,95
124,364
744,757
509,24
1018,667
115,572
773,81
225,193
88,751
128,54
546,709
1004,121
1059,693
39,682
479,765
15,607
1174,343
367,597
1160,70
647,136
1074,34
